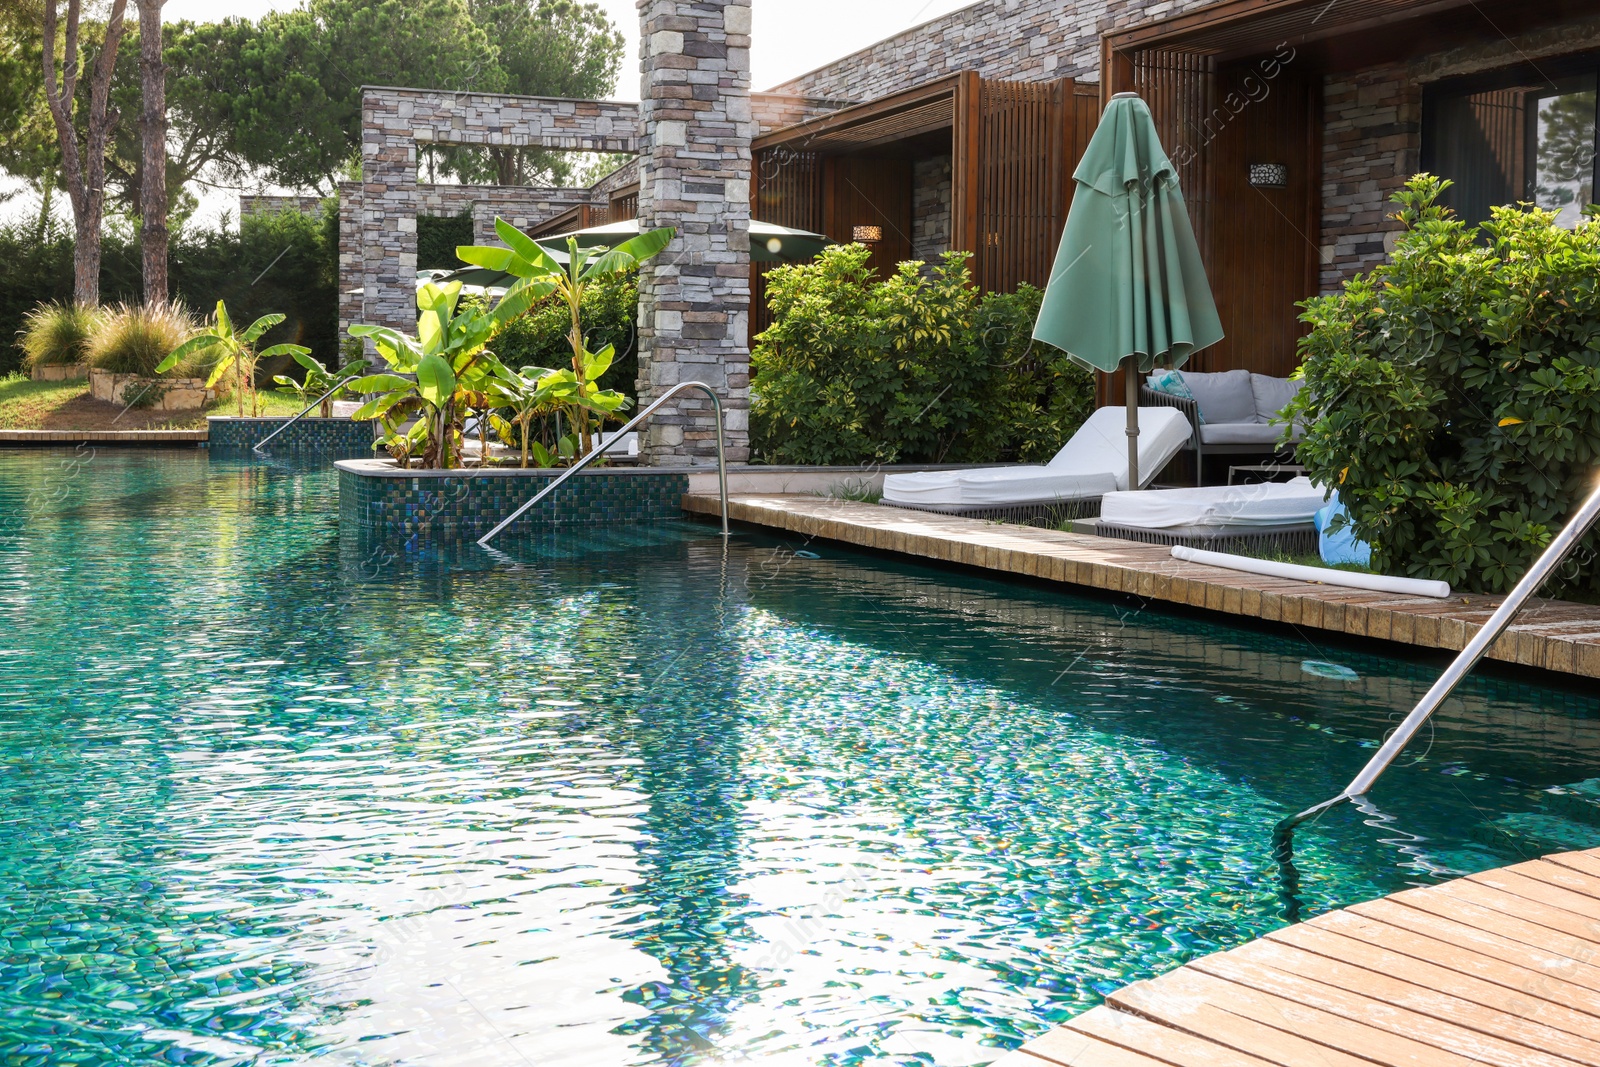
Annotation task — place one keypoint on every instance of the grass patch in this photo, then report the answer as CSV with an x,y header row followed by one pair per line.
x,y
1307,560
31,405
25,404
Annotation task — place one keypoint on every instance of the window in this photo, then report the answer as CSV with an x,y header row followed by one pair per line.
x,y
1520,135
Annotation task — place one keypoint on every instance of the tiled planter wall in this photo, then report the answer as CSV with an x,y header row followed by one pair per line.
x,y
331,437
378,500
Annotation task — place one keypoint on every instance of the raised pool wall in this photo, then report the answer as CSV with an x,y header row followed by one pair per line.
x,y
328,437
378,499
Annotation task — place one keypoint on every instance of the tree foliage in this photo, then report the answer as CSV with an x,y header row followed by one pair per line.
x,y
1453,394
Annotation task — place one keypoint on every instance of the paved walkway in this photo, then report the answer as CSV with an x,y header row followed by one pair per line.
x,y
1551,634
1500,969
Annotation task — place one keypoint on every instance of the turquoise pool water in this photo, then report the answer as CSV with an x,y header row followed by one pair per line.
x,y
274,796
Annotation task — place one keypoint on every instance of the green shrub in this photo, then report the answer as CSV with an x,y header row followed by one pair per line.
x,y
135,338
916,368
610,313
1453,394
438,236
56,333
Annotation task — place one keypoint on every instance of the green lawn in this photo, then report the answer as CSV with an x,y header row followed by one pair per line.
x,y
30,405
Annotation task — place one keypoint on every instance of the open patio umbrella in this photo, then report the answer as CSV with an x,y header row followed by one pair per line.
x,y
1128,289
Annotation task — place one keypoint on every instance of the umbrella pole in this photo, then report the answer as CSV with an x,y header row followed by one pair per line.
x,y
1130,381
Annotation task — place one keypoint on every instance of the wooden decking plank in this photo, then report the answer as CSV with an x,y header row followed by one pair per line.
x,y
1587,862
1536,947
1471,962
1506,910
1162,1043
1259,966
1270,1027
1072,1047
1568,878
1513,881
1430,990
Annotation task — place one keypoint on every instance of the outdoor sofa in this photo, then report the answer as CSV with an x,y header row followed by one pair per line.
x,y
1094,462
1230,413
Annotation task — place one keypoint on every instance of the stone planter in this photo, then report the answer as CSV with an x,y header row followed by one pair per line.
x,y
60,372
172,394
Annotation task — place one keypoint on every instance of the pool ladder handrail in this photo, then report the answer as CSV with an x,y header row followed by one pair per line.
x,y
1552,557
259,445
722,458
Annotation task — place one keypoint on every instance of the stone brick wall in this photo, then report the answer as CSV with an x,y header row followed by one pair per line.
x,y
931,184
1372,137
774,111
694,300
272,205
379,255
1371,142
1020,40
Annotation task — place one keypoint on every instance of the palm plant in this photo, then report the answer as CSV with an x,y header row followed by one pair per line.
x,y
232,350
519,392
574,391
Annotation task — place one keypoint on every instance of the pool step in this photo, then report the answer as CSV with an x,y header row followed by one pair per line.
x,y
1534,833
1580,801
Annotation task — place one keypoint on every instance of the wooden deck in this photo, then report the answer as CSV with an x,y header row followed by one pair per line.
x,y
14,438
1551,634
1500,968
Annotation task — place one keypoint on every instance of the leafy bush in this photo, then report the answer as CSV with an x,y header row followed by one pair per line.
x,y
1453,394
916,368
438,237
56,333
610,311
136,338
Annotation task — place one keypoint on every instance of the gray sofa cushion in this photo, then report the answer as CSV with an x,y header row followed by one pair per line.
x,y
1272,395
1241,433
1223,396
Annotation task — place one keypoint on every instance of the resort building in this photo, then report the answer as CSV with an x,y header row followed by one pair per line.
x,y
1291,121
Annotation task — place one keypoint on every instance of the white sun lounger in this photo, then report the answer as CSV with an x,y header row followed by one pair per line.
x,y
1271,514
1092,464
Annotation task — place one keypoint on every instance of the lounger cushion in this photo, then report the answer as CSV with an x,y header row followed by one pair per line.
x,y
1223,396
1241,433
1093,463
1270,504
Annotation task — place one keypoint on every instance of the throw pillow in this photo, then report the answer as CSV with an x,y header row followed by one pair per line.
x,y
1171,382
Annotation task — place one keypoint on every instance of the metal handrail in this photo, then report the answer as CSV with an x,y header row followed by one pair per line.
x,y
722,460
1476,649
259,445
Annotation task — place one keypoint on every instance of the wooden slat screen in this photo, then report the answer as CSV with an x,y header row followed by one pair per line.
x,y
623,207
786,191
1021,186
1181,90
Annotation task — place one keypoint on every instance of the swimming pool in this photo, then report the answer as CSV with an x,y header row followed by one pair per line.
x,y
273,795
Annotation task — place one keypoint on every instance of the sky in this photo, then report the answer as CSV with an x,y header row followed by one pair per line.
x,y
790,36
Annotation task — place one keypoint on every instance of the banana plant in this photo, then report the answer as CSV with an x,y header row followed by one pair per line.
x,y
425,373
319,380
520,393
577,393
232,350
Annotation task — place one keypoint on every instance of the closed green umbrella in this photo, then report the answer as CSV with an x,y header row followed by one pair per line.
x,y
1128,289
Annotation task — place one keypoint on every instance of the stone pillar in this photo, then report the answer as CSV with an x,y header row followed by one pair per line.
x,y
388,218
694,299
